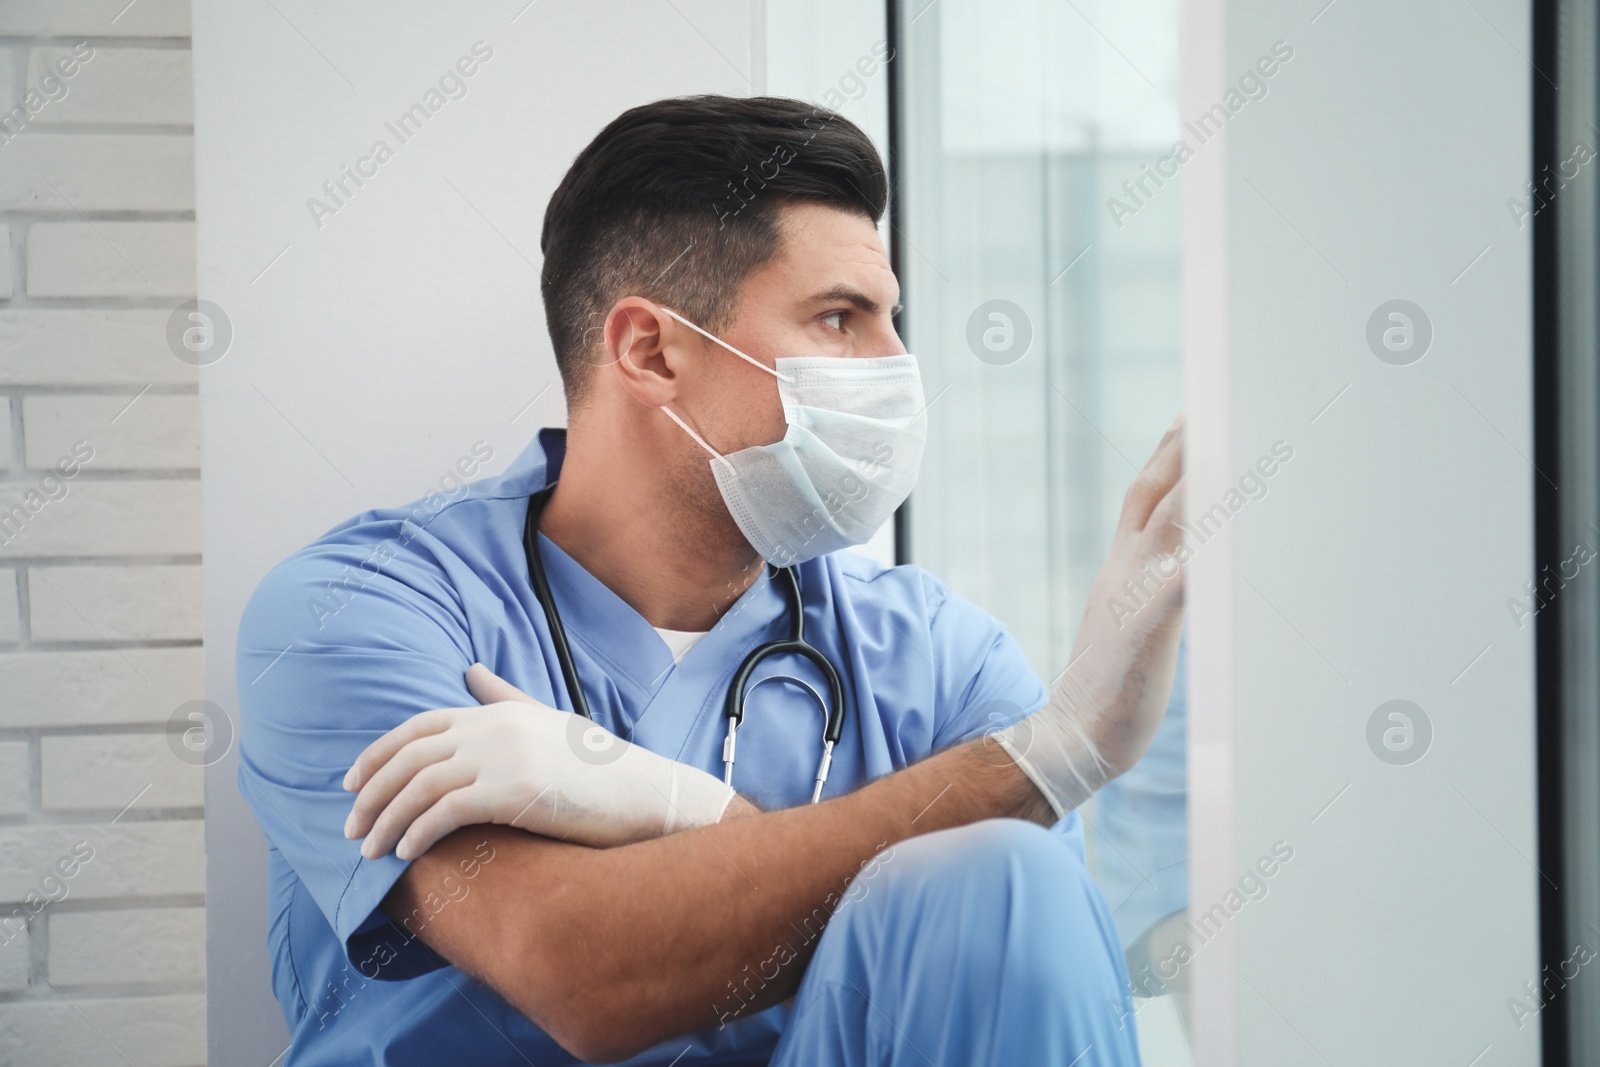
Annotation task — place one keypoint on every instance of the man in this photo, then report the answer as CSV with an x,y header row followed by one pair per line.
x,y
714,283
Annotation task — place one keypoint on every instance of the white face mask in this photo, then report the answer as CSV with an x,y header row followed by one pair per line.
x,y
848,459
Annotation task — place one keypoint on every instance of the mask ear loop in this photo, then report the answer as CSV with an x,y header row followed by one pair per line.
x,y
673,415
716,457
713,337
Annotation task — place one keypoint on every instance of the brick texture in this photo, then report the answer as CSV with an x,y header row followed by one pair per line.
x,y
10,613
91,772
14,962
98,172
97,1031
100,582
94,346
150,602
136,86
96,687
136,259
100,518
14,759
122,859
129,432
8,281
135,945
94,18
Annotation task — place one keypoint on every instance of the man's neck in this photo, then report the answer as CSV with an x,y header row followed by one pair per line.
x,y
631,529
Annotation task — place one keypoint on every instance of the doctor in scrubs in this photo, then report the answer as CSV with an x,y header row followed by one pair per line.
x,y
465,870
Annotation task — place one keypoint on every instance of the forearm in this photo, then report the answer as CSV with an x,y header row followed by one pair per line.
x,y
749,896
675,928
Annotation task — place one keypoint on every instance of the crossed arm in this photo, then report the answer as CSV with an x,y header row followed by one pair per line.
x,y
668,925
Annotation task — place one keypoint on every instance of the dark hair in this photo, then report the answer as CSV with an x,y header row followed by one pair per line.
x,y
677,201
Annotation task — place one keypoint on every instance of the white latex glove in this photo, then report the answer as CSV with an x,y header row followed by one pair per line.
x,y
1106,708
519,763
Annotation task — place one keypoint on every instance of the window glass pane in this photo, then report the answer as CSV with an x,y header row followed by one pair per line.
x,y
1038,232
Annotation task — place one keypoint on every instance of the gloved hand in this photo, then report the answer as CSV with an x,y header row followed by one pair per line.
x,y
1106,707
520,763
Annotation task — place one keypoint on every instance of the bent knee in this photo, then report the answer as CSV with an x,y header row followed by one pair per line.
x,y
1009,849
1010,839
991,860
1006,898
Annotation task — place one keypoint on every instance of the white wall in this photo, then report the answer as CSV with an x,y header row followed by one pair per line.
x,y
371,352
1379,565
100,596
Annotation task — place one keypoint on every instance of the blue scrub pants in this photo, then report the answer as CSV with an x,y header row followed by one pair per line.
x,y
986,944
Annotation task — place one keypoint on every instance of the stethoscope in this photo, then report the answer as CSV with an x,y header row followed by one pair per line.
x,y
733,706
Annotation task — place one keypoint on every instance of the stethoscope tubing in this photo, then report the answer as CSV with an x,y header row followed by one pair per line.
x,y
739,688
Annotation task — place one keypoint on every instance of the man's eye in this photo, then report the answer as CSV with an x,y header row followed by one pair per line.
x,y
834,319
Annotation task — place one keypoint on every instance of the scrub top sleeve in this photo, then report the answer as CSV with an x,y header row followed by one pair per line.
x,y
984,681
330,658
985,684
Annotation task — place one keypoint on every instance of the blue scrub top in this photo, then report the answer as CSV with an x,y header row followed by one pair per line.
x,y
379,619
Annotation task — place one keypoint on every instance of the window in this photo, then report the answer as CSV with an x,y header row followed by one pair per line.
x,y
1037,242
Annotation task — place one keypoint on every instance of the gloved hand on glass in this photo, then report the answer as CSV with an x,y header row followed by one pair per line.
x,y
1106,707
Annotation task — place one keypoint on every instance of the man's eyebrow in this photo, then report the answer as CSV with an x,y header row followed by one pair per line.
x,y
852,296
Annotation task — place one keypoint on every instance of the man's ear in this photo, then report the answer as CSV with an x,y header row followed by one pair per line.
x,y
646,364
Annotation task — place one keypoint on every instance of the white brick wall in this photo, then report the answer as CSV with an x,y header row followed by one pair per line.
x,y
101,518
94,18
14,791
96,686
148,259
107,346
147,86
99,172
149,1031
127,858
87,773
10,615
14,963
100,597
146,602
137,432
8,281
10,78
136,945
